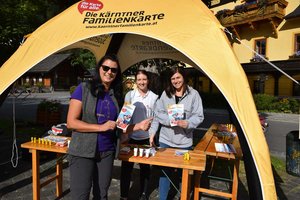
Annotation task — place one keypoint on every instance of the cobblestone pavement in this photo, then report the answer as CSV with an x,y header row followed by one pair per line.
x,y
16,183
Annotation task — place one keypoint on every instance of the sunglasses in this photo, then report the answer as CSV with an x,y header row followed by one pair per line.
x,y
107,68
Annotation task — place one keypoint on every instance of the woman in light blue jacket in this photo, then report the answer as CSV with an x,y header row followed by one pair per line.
x,y
176,133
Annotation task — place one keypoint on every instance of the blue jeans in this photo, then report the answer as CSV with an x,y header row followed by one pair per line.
x,y
174,174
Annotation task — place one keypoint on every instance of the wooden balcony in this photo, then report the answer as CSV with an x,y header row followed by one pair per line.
x,y
248,14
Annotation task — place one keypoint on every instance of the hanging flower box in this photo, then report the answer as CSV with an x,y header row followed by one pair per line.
x,y
252,12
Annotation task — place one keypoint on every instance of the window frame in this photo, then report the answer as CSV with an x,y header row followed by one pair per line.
x,y
260,48
296,43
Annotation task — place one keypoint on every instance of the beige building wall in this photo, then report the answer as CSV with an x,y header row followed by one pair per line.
x,y
269,85
278,48
285,86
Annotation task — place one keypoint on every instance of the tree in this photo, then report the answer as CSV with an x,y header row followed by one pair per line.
x,y
22,17
83,57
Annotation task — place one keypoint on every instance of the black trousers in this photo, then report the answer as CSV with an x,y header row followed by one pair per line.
x,y
126,171
88,172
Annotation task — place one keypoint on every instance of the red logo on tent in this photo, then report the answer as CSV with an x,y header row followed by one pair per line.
x,y
90,5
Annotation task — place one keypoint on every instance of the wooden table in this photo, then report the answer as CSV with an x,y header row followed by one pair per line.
x,y
35,149
166,157
207,145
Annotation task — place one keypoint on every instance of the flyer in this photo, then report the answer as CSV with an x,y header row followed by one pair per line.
x,y
225,148
175,113
125,116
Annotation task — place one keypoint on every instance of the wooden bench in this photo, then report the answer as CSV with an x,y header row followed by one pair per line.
x,y
207,145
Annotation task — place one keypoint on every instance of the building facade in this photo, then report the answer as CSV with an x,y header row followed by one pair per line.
x,y
271,28
53,73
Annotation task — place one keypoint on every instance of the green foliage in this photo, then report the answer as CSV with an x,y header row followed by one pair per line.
x,y
72,89
49,105
294,105
39,85
26,85
83,57
19,18
270,103
263,101
278,164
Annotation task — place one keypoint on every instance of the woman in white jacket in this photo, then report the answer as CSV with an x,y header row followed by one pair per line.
x,y
144,101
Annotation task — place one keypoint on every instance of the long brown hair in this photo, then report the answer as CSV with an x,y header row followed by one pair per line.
x,y
170,90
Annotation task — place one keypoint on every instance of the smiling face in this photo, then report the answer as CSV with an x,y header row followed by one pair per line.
x,y
142,82
108,72
177,81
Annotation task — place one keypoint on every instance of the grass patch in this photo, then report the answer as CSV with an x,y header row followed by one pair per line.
x,y
278,164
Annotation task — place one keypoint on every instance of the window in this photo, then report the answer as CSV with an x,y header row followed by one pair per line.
x,y
297,44
260,46
259,87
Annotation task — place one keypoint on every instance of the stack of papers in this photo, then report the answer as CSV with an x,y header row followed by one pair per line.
x,y
56,139
226,148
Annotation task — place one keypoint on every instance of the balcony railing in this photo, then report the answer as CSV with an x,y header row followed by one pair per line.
x,y
258,59
273,10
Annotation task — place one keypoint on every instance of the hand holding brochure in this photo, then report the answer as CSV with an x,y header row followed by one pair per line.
x,y
225,148
175,113
125,116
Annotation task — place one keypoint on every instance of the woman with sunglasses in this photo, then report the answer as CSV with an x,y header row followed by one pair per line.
x,y
177,133
92,114
93,110
144,100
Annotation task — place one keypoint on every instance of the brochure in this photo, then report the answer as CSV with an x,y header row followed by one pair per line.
x,y
175,113
181,152
58,140
125,116
125,150
226,148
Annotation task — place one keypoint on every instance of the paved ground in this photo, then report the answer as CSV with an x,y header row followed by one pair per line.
x,y
15,183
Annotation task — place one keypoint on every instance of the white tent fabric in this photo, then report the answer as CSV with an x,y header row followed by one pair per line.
x,y
187,26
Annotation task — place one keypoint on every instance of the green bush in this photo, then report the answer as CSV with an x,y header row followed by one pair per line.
x,y
294,105
284,105
26,85
263,101
270,103
72,89
39,85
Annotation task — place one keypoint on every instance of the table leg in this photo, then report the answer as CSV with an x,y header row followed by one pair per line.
x,y
35,174
235,180
59,174
185,184
197,184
